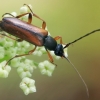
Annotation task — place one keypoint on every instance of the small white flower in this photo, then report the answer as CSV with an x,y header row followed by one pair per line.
x,y
46,68
25,68
28,85
4,70
23,44
1,38
27,61
22,47
39,51
14,14
10,52
65,51
8,15
52,53
2,41
24,71
25,74
7,42
25,9
30,63
2,52
15,62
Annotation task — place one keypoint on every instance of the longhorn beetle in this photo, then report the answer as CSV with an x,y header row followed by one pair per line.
x,y
37,36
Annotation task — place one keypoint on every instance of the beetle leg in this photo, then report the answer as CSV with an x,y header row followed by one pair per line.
x,y
44,23
29,17
19,40
30,52
57,38
50,58
8,14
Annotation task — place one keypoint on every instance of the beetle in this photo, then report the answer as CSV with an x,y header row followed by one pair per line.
x,y
37,36
31,33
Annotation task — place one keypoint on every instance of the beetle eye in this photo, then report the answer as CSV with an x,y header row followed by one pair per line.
x,y
59,50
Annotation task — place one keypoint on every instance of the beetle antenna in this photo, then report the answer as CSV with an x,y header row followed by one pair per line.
x,y
81,38
87,91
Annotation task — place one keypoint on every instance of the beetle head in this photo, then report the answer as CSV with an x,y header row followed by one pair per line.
x,y
59,50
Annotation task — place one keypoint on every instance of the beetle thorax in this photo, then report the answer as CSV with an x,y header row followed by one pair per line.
x,y
50,43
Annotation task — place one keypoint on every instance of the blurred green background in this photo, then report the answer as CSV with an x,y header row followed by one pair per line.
x,y
69,19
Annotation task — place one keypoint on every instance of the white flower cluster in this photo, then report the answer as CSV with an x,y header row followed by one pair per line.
x,y
28,85
4,71
25,67
46,68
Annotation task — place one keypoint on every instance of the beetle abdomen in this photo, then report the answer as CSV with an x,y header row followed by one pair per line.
x,y
23,30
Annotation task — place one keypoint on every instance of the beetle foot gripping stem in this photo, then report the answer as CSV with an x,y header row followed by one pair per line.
x,y
87,91
29,53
